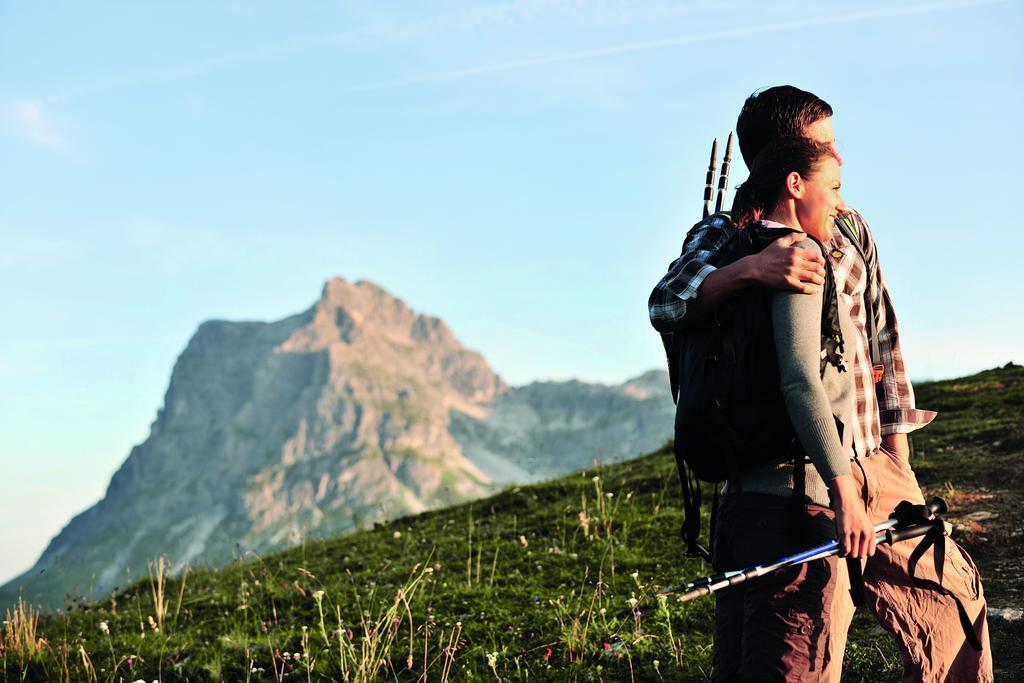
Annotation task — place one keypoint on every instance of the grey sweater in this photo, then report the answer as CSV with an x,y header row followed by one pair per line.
x,y
814,401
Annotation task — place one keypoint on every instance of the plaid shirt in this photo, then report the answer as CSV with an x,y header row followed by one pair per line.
x,y
889,409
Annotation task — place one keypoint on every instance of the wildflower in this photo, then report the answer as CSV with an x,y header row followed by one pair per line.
x,y
152,623
104,628
595,479
397,534
609,494
429,570
536,598
492,659
636,576
603,611
656,664
631,602
523,541
318,596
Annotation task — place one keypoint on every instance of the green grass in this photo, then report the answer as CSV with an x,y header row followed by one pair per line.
x,y
537,582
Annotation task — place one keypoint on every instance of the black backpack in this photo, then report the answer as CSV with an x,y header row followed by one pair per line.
x,y
730,411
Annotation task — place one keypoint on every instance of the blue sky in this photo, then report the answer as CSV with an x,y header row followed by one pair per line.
x,y
525,170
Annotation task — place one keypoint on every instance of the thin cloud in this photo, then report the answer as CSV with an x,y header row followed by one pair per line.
x,y
32,122
645,46
185,71
364,36
525,11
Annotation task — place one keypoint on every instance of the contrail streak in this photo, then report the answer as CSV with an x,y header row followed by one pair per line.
x,y
185,71
663,43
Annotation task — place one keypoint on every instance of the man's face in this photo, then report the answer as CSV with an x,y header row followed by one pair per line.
x,y
821,131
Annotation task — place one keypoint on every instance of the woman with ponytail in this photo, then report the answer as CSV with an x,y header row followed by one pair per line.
x,y
777,628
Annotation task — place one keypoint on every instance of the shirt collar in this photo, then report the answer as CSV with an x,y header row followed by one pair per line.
x,y
775,224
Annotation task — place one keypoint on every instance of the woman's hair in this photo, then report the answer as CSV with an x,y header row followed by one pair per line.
x,y
782,156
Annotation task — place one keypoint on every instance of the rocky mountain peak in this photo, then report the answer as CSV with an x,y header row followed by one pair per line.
x,y
357,409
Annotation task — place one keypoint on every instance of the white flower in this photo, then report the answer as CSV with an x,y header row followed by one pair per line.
x,y
492,659
397,534
104,628
595,479
636,576
603,610
318,596
609,494
631,602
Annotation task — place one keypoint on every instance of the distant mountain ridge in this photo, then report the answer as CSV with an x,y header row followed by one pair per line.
x,y
354,411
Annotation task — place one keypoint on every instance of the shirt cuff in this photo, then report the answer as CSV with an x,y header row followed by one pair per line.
x,y
692,287
905,420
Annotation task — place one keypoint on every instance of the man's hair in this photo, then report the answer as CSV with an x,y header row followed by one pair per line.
x,y
778,111
768,172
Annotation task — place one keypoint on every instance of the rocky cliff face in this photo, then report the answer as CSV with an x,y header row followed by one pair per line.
x,y
354,411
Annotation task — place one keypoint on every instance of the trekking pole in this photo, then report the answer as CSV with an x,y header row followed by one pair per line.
x,y
709,184
723,180
890,531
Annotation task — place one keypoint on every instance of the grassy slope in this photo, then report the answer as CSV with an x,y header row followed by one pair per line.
x,y
533,582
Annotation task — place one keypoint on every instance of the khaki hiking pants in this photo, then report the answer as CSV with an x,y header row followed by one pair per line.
x,y
925,624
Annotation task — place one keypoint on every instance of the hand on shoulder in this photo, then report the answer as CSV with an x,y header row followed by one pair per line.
x,y
781,266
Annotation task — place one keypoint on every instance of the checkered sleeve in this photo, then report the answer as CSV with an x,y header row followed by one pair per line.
x,y
897,409
669,300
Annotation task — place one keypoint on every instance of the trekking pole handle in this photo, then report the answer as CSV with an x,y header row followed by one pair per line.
x,y
896,535
935,506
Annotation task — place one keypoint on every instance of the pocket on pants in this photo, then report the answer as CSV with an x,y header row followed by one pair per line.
x,y
960,576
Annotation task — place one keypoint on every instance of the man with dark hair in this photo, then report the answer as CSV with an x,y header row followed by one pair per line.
x,y
930,627
776,112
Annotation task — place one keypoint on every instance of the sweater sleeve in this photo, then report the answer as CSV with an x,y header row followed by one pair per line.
x,y
796,318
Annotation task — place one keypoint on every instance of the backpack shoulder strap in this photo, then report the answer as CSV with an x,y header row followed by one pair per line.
x,y
831,329
848,227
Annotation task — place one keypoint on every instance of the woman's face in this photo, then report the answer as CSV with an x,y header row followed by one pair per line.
x,y
820,204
